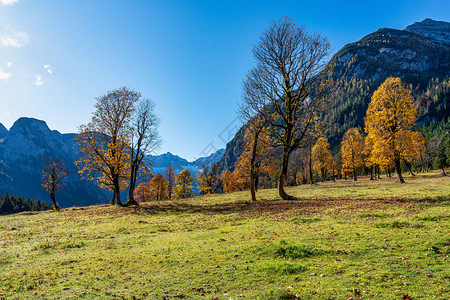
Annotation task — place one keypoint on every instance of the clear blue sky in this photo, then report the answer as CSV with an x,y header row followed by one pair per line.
x,y
188,56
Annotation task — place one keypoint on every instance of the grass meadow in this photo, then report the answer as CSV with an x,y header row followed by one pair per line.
x,y
340,240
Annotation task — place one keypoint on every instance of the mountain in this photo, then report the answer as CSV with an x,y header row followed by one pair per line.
x,y
29,140
159,163
419,55
437,31
209,160
414,54
3,131
21,153
233,150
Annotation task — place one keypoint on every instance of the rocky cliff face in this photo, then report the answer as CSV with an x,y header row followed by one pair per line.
x,y
414,54
21,153
436,31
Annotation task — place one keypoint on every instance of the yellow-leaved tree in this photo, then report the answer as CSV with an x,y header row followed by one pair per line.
x,y
225,179
104,142
420,147
257,160
352,151
390,116
183,185
322,157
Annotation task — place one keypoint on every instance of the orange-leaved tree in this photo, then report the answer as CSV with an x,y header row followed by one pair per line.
x,y
322,157
183,185
158,187
142,192
390,116
257,160
169,176
104,142
352,151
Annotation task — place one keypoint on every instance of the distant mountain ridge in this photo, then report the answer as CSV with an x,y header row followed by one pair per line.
x,y
29,139
159,163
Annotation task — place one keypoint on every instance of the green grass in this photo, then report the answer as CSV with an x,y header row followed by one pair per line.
x,y
333,243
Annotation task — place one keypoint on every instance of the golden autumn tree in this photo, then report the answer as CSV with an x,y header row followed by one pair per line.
x,y
419,144
183,185
352,151
257,159
239,181
322,157
169,176
390,116
207,179
158,187
142,192
225,179
373,167
104,142
53,174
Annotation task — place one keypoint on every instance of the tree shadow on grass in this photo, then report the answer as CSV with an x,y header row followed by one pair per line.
x,y
304,206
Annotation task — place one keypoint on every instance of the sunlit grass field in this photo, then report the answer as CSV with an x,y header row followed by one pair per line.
x,y
340,240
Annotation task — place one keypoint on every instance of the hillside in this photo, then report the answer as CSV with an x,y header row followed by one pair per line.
x,y
419,55
365,239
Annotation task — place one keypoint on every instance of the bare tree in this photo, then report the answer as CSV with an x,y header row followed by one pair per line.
x,y
144,139
53,174
284,86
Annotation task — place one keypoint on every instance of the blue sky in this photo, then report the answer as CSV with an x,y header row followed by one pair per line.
x,y
188,56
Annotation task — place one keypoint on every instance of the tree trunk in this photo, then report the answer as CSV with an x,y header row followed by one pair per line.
x,y
113,199
398,170
132,185
443,170
371,172
252,165
55,204
409,167
354,175
283,175
310,167
117,191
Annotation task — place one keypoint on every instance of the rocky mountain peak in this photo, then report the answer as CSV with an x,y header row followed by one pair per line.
x,y
438,31
29,127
